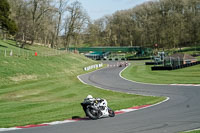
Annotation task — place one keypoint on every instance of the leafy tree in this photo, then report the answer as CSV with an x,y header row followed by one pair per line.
x,y
6,24
168,23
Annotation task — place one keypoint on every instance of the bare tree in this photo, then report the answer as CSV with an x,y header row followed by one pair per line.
x,y
74,22
60,10
39,8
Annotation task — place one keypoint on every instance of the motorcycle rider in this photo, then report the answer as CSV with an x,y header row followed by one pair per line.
x,y
100,101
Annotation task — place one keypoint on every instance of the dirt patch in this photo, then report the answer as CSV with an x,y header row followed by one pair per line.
x,y
23,78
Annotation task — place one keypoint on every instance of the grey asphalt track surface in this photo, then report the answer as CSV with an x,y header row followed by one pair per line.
x,y
180,113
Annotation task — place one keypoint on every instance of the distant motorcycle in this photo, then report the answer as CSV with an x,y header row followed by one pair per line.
x,y
123,64
97,108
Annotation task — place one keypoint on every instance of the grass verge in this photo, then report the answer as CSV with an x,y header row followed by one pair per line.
x,y
39,89
196,131
143,73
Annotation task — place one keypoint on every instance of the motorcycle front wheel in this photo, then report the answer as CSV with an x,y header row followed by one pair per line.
x,y
93,114
111,113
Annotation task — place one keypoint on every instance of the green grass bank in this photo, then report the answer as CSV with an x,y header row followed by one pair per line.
x,y
195,131
42,89
140,72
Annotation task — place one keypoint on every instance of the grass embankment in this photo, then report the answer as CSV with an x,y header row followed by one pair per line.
x,y
140,72
196,131
42,89
198,58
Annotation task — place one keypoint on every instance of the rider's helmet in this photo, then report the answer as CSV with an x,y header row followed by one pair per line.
x,y
89,97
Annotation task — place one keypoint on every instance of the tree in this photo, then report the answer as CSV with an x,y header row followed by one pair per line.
x,y
168,23
61,9
74,22
6,24
39,8
21,12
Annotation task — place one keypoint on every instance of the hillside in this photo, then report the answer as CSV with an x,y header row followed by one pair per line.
x,y
38,89
23,65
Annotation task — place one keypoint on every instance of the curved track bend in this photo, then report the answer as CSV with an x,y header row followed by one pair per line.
x,y
180,113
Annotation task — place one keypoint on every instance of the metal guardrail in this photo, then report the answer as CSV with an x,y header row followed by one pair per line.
x,y
154,68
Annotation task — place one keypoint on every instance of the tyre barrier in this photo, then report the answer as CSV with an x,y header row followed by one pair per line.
x,y
96,66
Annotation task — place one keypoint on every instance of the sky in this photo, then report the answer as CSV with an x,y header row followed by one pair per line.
x,y
99,8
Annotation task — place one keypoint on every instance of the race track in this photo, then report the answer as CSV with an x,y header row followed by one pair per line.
x,y
181,112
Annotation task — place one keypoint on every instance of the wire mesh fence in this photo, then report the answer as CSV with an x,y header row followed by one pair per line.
x,y
30,53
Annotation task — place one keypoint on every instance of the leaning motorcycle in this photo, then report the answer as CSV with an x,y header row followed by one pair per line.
x,y
96,109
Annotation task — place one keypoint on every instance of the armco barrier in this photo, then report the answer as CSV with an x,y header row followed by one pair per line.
x,y
154,68
93,67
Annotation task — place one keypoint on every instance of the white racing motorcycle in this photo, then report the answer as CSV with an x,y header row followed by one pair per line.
x,y
97,108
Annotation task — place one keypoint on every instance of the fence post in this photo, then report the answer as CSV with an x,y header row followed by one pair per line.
x,y
11,53
27,54
5,53
18,54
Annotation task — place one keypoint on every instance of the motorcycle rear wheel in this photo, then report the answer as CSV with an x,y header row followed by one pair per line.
x,y
93,114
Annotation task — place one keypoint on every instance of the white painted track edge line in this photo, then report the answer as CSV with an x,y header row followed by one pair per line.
x,y
8,129
167,99
60,122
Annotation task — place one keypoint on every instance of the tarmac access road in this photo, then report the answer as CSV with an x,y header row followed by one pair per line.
x,y
180,113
